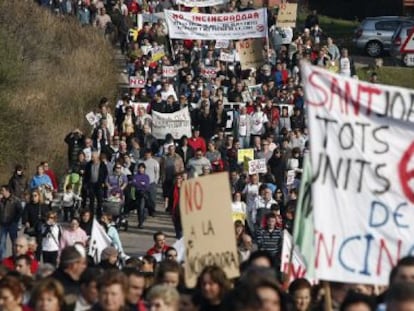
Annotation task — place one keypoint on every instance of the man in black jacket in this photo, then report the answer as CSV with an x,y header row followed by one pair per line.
x,y
95,176
75,141
10,213
71,266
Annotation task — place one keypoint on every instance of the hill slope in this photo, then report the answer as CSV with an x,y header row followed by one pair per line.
x,y
52,72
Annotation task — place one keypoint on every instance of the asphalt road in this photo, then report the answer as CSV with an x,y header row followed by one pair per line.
x,y
137,241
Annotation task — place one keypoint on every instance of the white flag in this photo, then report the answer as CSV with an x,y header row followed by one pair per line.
x,y
99,241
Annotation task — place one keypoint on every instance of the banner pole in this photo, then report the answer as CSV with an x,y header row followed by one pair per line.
x,y
328,297
286,280
172,49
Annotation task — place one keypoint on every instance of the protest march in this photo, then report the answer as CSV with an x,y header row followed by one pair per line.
x,y
288,182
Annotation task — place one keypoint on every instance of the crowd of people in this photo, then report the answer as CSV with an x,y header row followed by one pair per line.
x,y
118,167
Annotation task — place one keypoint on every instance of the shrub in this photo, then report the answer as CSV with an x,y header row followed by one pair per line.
x,y
52,72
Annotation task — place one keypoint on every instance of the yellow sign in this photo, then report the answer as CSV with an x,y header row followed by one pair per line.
x,y
209,235
243,154
239,216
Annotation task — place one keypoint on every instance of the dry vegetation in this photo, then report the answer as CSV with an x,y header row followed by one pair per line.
x,y
52,72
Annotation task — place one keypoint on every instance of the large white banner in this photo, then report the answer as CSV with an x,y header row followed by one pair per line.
x,y
177,123
229,26
201,3
362,153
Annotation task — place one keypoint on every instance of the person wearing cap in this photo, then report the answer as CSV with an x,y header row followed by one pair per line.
x,y
71,266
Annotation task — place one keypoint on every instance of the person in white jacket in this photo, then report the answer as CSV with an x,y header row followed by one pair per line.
x,y
51,234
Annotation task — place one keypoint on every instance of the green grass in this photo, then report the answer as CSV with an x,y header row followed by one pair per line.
x,y
340,30
397,76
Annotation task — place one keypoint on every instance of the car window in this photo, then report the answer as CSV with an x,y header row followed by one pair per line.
x,y
387,25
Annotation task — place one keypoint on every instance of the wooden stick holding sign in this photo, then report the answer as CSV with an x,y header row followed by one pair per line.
x,y
208,226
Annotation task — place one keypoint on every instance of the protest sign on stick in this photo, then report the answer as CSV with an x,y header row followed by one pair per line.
x,y
250,53
205,206
257,166
243,154
287,14
137,82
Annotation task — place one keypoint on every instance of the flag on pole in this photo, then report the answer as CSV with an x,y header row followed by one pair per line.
x,y
98,242
303,229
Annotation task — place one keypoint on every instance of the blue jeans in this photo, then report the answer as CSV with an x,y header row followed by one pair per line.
x,y
10,229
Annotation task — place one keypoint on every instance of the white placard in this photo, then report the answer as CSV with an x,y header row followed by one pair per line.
x,y
177,124
229,26
363,175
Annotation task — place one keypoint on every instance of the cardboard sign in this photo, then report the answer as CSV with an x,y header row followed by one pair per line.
x,y
169,71
257,166
250,53
286,16
209,236
366,176
266,3
243,154
137,82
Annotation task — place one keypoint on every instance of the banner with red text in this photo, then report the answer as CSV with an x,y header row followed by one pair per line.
x,y
363,175
229,26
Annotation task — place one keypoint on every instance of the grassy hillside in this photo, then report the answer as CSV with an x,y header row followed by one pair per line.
x,y
397,76
52,72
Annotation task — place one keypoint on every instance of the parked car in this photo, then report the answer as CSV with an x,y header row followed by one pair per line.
x,y
398,39
375,33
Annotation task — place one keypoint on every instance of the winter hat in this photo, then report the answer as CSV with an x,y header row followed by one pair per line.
x,y
109,252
